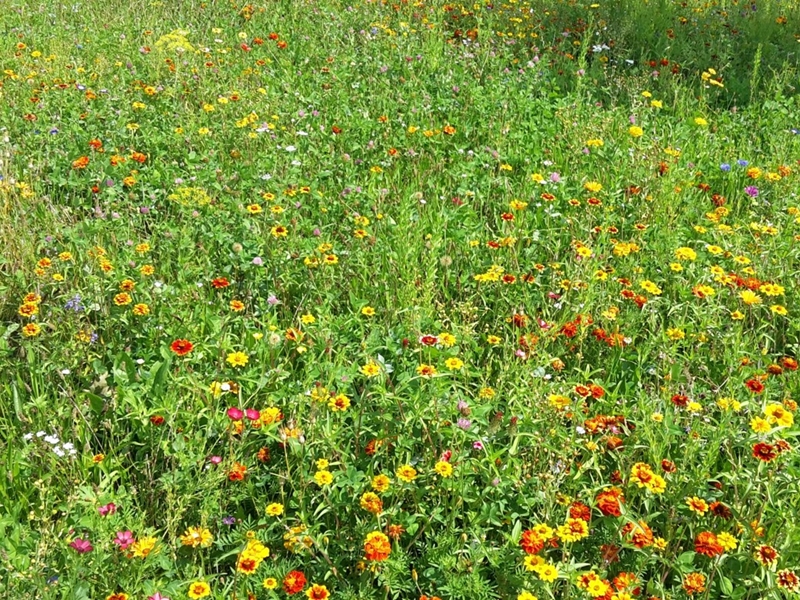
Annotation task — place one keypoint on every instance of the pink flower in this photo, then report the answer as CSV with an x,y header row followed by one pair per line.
x,y
157,596
215,460
123,539
235,414
108,509
81,546
252,414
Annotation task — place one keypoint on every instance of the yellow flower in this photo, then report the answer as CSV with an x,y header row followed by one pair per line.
x,y
650,287
275,509
197,536
368,311
593,186
573,530
270,583
727,541
547,572
453,363
307,319
685,253
406,473
635,131
697,505
771,289
444,468
323,478
370,369
237,359
778,415
675,334
143,546
381,483
700,121
760,425
448,340
526,596
198,589
594,143
322,463
749,297
779,310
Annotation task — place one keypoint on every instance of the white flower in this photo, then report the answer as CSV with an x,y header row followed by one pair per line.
x,y
59,451
290,148
68,446
51,439
27,437
41,434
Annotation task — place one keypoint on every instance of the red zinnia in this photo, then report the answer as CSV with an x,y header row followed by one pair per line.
x,y
765,452
754,385
181,347
294,582
579,510
219,283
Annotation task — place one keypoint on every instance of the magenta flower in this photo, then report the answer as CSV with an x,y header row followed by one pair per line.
x,y
108,509
751,191
235,414
123,539
252,414
157,596
81,546
215,460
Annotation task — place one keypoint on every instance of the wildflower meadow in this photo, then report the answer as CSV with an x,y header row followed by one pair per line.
x,y
396,299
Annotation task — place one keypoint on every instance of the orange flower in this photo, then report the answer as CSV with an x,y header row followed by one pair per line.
x,y
237,472
706,543
377,546
80,163
181,347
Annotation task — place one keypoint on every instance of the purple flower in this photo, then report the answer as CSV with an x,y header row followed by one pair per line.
x,y
464,423
462,405
555,177
123,539
258,261
317,232
477,445
725,167
81,546
742,162
272,300
751,191
229,520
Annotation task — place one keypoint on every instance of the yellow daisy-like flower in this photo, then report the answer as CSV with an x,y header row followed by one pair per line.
x,y
650,288
406,473
275,509
635,131
380,483
323,478
453,363
573,530
370,369
727,541
368,311
197,536
237,359
760,425
443,468
749,297
778,415
198,589
270,583
547,572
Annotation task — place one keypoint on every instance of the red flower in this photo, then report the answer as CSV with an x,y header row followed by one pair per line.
x,y
531,542
181,347
294,582
765,452
579,510
754,385
219,283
